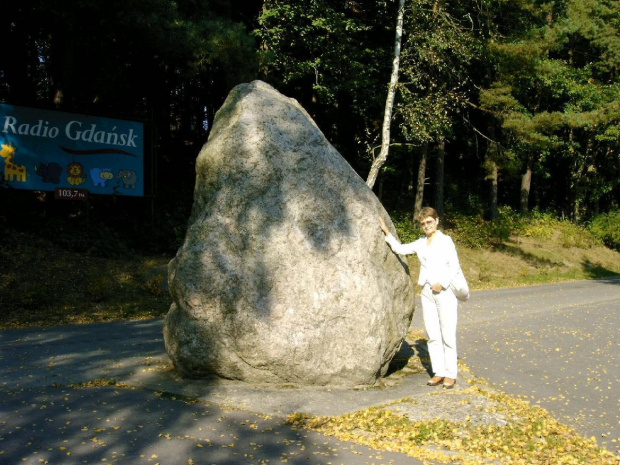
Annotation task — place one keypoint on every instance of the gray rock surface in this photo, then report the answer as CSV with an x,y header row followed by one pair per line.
x,y
284,275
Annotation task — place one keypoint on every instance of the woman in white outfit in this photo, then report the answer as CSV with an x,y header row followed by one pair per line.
x,y
439,266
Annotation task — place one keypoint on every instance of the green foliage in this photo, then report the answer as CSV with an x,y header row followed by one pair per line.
x,y
476,232
566,233
538,230
317,46
472,231
406,229
606,227
573,235
438,51
334,57
555,91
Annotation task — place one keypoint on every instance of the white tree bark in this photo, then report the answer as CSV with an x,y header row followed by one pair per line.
x,y
389,103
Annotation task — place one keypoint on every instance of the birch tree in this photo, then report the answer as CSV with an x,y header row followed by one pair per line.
x,y
379,161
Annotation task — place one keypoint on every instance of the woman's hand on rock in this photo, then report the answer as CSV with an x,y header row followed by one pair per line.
x,y
384,227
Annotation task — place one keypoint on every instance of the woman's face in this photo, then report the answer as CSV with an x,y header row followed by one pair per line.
x,y
429,225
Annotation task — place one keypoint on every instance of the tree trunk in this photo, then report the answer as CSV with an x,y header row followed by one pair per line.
x,y
16,75
493,177
439,177
419,195
577,176
389,103
492,174
526,184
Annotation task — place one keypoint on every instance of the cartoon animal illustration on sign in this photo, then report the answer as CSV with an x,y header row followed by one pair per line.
x,y
50,172
76,173
12,171
101,176
129,178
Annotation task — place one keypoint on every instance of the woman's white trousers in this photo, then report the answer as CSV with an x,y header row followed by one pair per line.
x,y
440,317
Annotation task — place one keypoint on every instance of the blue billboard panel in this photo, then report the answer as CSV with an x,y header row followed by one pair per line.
x,y
46,150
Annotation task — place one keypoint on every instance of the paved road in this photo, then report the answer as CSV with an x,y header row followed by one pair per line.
x,y
557,344
54,410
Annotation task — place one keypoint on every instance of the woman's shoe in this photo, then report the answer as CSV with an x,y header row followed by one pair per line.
x,y
448,383
435,381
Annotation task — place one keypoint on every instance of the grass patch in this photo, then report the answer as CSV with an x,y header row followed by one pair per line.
x,y
100,382
523,261
520,251
44,284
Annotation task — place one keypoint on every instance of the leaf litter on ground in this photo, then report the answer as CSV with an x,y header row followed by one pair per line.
x,y
470,425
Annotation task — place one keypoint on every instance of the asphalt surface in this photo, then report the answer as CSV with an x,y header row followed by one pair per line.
x,y
557,345
56,409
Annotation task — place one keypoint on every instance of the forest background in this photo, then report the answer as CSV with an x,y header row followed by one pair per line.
x,y
505,115
505,118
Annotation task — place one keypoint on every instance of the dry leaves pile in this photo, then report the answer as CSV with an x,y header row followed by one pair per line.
x,y
524,434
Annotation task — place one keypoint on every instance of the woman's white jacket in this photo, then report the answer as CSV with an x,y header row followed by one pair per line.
x,y
439,262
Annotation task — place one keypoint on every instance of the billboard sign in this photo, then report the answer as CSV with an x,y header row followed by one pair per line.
x,y
51,150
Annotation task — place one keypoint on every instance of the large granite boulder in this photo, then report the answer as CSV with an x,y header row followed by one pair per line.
x,y
284,275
